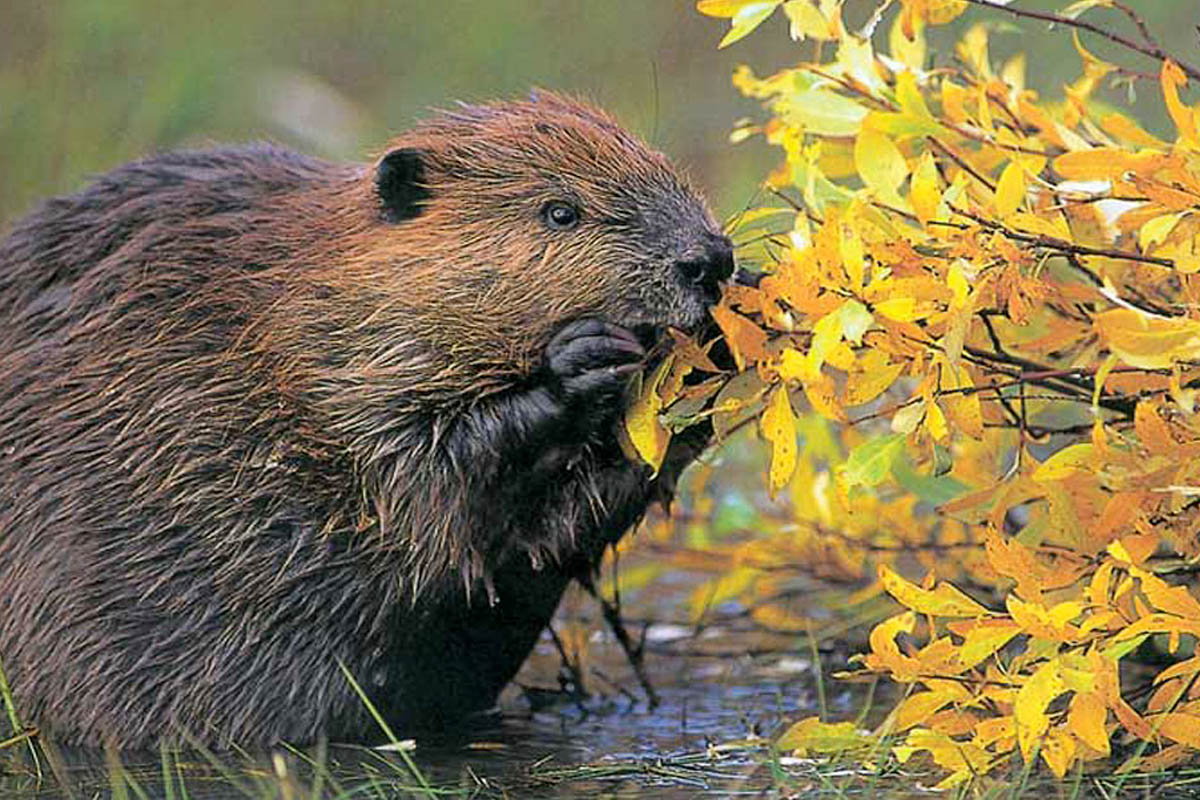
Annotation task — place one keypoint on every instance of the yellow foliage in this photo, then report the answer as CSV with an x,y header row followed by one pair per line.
x,y
991,305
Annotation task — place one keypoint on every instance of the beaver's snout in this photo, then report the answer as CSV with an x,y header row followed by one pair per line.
x,y
704,268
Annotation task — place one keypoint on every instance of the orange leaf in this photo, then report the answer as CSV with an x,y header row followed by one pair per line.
x,y
1182,728
746,340
1152,430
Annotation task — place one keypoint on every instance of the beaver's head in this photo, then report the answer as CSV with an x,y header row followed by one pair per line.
x,y
537,212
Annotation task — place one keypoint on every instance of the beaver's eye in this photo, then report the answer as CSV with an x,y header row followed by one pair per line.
x,y
560,216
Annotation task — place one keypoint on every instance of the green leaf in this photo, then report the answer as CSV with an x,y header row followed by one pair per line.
x,y
822,112
747,18
872,461
856,320
1117,650
932,489
880,165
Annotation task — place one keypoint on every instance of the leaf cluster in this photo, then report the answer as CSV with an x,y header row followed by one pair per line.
x,y
972,347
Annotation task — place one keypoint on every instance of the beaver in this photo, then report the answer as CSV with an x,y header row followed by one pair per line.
x,y
264,417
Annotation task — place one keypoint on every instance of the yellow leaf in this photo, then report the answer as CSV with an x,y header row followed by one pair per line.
x,y
954,100
939,12
723,8
990,731
826,113
924,194
880,165
908,47
648,436
885,654
848,321
1102,374
901,309
1172,77
962,402
779,428
960,288
1050,624
1068,461
943,600
852,257
908,418
1158,623
1155,231
935,422
1058,751
810,735
973,49
916,708
1010,190
1033,698
806,21
1103,162
1123,127
1184,398
1165,597
982,638
1146,341
863,386
794,365
745,18
822,396
1086,717
963,760
1014,560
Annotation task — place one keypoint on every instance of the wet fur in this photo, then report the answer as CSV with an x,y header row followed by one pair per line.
x,y
254,424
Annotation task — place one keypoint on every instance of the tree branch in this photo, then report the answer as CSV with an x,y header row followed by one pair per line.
x,y
1150,48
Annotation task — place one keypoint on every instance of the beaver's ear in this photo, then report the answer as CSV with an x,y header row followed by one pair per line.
x,y
400,181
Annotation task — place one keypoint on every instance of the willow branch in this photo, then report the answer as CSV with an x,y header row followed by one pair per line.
x,y
1150,48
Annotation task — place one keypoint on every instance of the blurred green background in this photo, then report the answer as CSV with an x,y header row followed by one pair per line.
x,y
88,84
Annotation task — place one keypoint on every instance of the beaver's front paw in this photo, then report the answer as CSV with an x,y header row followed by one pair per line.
x,y
588,364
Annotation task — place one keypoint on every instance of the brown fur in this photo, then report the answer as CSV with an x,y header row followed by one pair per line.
x,y
260,414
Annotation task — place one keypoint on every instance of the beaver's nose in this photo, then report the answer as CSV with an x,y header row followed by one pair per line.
x,y
706,267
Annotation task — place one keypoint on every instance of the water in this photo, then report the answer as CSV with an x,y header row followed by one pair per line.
x,y
721,692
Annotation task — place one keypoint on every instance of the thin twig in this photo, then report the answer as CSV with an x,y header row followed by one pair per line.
x,y
957,159
635,653
1062,245
1137,21
1153,50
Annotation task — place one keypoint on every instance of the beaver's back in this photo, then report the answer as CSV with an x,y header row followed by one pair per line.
x,y
132,220
145,463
